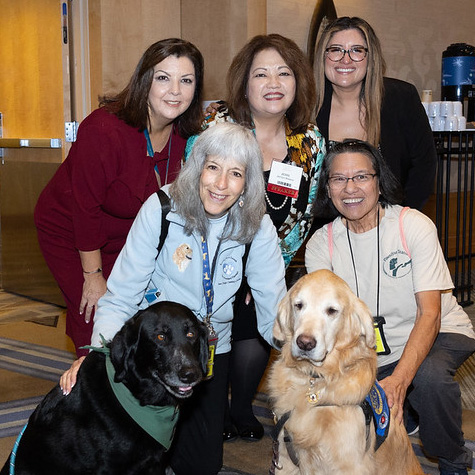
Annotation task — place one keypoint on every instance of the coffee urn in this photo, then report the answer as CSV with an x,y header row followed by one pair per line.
x,y
458,77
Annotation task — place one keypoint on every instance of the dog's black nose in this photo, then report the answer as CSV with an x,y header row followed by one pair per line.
x,y
306,343
189,375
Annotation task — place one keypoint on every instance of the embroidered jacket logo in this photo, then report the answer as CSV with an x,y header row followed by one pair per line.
x,y
229,268
397,264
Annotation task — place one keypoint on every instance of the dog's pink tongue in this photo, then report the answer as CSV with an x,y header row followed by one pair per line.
x,y
185,388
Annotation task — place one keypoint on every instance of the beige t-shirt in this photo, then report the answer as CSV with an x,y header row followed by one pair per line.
x,y
404,270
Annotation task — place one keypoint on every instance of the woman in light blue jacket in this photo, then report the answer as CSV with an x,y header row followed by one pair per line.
x,y
218,196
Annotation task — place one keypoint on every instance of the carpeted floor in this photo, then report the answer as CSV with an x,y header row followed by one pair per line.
x,y
15,308
33,355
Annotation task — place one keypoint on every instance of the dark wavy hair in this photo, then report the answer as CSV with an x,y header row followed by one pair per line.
x,y
302,110
389,186
131,104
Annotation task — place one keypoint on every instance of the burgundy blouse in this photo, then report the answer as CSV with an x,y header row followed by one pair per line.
x,y
98,190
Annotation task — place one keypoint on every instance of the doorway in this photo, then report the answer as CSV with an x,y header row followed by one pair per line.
x,y
35,104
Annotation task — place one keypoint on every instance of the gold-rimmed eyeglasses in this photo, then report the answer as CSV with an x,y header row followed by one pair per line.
x,y
340,181
356,53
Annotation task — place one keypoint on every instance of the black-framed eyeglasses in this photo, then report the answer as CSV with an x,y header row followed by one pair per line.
x,y
356,53
340,181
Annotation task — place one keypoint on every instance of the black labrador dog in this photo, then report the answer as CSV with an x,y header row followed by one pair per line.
x,y
158,356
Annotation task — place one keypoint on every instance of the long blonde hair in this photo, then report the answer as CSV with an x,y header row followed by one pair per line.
x,y
372,89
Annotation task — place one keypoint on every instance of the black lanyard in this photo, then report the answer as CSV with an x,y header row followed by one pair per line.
x,y
354,266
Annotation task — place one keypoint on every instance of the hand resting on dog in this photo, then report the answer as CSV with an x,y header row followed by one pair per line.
x,y
68,378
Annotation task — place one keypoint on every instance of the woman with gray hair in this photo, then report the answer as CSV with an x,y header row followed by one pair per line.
x,y
217,201
271,91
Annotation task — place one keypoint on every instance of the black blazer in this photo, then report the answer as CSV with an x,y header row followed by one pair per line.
x,y
407,141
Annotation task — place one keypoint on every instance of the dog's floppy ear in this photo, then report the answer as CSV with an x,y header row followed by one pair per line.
x,y
124,346
282,323
363,315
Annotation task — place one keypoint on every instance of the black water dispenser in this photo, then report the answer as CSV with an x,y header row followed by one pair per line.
x,y
458,77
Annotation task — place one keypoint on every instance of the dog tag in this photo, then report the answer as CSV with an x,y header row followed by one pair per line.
x,y
313,396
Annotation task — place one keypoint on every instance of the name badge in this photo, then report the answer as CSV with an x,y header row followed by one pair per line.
x,y
284,179
382,348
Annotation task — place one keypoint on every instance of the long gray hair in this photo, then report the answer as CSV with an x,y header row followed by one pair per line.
x,y
228,141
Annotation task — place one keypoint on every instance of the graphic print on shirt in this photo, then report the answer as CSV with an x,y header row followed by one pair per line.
x,y
229,269
397,264
182,256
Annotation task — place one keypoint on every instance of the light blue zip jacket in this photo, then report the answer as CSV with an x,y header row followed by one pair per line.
x,y
177,274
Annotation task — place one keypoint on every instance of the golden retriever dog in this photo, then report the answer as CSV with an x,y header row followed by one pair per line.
x,y
318,384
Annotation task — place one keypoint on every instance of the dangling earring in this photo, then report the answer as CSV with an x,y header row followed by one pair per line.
x,y
241,202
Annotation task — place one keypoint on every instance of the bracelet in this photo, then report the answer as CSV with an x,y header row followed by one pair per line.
x,y
99,269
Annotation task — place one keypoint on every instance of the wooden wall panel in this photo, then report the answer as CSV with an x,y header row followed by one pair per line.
x,y
120,32
220,29
452,235
413,34
31,83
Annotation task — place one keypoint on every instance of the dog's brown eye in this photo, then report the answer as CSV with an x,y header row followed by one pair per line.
x,y
190,335
161,337
332,311
298,305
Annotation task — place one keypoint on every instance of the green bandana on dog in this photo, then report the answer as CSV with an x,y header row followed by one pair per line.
x,y
158,421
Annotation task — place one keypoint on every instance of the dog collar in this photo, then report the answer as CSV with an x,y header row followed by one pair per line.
x,y
158,421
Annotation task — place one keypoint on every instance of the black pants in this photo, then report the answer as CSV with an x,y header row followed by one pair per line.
x,y
198,444
435,396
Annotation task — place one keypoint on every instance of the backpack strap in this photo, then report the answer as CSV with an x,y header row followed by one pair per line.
x,y
401,231
245,256
330,239
166,206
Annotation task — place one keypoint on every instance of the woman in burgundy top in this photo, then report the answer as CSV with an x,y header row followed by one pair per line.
x,y
124,152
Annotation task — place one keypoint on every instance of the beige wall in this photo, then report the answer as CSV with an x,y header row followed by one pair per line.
x,y
119,33
219,28
413,33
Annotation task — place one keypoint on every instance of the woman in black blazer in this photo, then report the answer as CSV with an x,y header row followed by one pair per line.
x,y
358,102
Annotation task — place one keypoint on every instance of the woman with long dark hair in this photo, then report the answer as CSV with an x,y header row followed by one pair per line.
x,y
125,150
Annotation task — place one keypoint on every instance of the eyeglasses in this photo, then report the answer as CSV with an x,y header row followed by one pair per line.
x,y
356,53
342,181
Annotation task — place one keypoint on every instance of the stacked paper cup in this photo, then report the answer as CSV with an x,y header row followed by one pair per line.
x,y
445,115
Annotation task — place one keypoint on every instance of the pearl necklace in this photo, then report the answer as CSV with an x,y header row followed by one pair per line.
x,y
276,208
